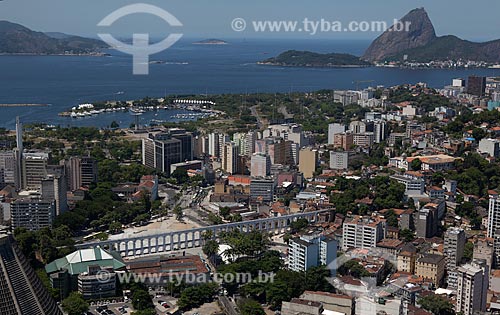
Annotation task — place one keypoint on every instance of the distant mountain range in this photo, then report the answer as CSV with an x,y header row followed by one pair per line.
x,y
17,39
417,44
420,44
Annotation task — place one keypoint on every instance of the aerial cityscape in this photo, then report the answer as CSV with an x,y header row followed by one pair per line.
x,y
311,166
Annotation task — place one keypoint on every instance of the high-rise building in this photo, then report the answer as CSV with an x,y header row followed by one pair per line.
x,y
230,157
186,143
281,151
308,159
362,232
8,167
426,222
334,129
249,143
167,152
262,188
494,223
343,140
339,160
32,214
148,152
162,150
55,188
80,172
260,165
380,131
19,156
311,251
490,147
454,245
484,249
21,291
476,85
88,170
472,287
364,140
34,170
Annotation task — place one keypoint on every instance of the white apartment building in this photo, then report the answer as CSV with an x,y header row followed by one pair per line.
x,y
339,160
310,251
454,244
472,287
362,232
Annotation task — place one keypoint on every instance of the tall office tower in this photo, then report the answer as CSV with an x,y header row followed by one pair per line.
x,y
308,158
186,140
21,291
334,129
260,165
476,85
215,143
148,152
472,287
88,170
79,172
494,223
18,155
162,150
32,214
281,151
454,244
230,157
427,222
8,165
380,131
167,152
239,139
55,188
250,139
19,134
34,169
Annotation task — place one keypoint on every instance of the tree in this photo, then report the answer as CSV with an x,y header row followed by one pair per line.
x,y
180,175
224,211
407,235
416,165
250,307
74,304
468,251
115,227
114,125
179,214
436,305
195,296
211,248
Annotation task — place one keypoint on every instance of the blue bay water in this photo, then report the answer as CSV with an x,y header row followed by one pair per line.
x,y
64,81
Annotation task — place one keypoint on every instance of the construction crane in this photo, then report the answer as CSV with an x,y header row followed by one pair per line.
x,y
364,81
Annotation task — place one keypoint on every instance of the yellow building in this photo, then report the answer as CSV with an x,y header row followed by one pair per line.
x,y
307,162
406,261
431,268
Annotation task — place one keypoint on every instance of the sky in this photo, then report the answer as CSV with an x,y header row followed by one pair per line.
x,y
473,20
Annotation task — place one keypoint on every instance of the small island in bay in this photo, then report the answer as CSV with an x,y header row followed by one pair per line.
x,y
294,58
211,41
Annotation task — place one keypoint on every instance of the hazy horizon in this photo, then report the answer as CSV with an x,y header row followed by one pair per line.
x,y
475,21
